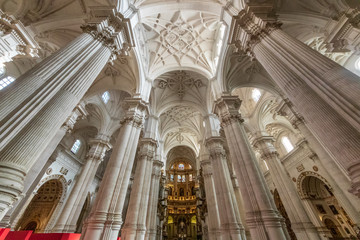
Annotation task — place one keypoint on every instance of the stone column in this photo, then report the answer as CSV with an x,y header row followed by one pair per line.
x,y
262,218
135,222
213,207
68,218
44,161
151,219
300,222
323,92
230,225
105,219
240,203
41,100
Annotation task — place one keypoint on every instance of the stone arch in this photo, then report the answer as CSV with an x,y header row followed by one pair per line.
x,y
301,179
44,205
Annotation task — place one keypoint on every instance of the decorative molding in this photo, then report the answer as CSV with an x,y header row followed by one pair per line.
x,y
179,81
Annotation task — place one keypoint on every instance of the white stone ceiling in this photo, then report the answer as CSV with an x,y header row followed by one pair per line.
x,y
184,39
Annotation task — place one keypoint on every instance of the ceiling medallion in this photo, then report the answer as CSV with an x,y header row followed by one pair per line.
x,y
179,81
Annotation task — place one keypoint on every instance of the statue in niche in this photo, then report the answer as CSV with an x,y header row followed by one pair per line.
x,y
181,192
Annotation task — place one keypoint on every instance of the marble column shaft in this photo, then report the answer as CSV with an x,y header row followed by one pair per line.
x,y
151,219
262,217
19,155
135,222
72,208
43,162
105,219
213,207
300,222
230,225
322,91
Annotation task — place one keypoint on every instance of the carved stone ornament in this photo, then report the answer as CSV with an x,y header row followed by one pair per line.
x,y
15,39
300,168
227,109
49,171
113,30
248,30
178,83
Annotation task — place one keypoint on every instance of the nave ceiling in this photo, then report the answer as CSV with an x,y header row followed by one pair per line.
x,y
180,48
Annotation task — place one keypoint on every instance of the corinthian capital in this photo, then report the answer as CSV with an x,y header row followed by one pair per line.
x,y
247,30
112,29
215,145
227,109
136,113
15,39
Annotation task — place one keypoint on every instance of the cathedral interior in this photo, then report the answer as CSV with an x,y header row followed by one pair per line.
x,y
180,119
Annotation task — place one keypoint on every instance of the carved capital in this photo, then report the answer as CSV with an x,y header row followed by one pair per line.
x,y
112,29
147,148
98,148
15,39
227,109
264,144
79,112
137,111
216,149
247,30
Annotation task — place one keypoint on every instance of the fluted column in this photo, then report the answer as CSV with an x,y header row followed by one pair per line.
x,y
72,208
262,218
41,100
300,222
334,174
230,225
42,163
105,219
213,206
324,93
151,219
135,222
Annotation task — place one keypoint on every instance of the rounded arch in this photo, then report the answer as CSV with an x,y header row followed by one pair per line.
x,y
183,153
303,182
49,194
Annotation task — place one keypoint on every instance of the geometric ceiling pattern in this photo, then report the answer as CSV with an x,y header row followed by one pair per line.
x,y
182,39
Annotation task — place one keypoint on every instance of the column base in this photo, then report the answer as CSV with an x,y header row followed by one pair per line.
x,y
11,186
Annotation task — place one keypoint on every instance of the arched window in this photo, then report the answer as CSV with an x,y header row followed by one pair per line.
x,y
181,166
76,146
105,97
5,81
255,94
287,144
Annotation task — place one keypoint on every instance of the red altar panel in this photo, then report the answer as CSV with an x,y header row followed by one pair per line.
x,y
4,232
19,235
55,236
